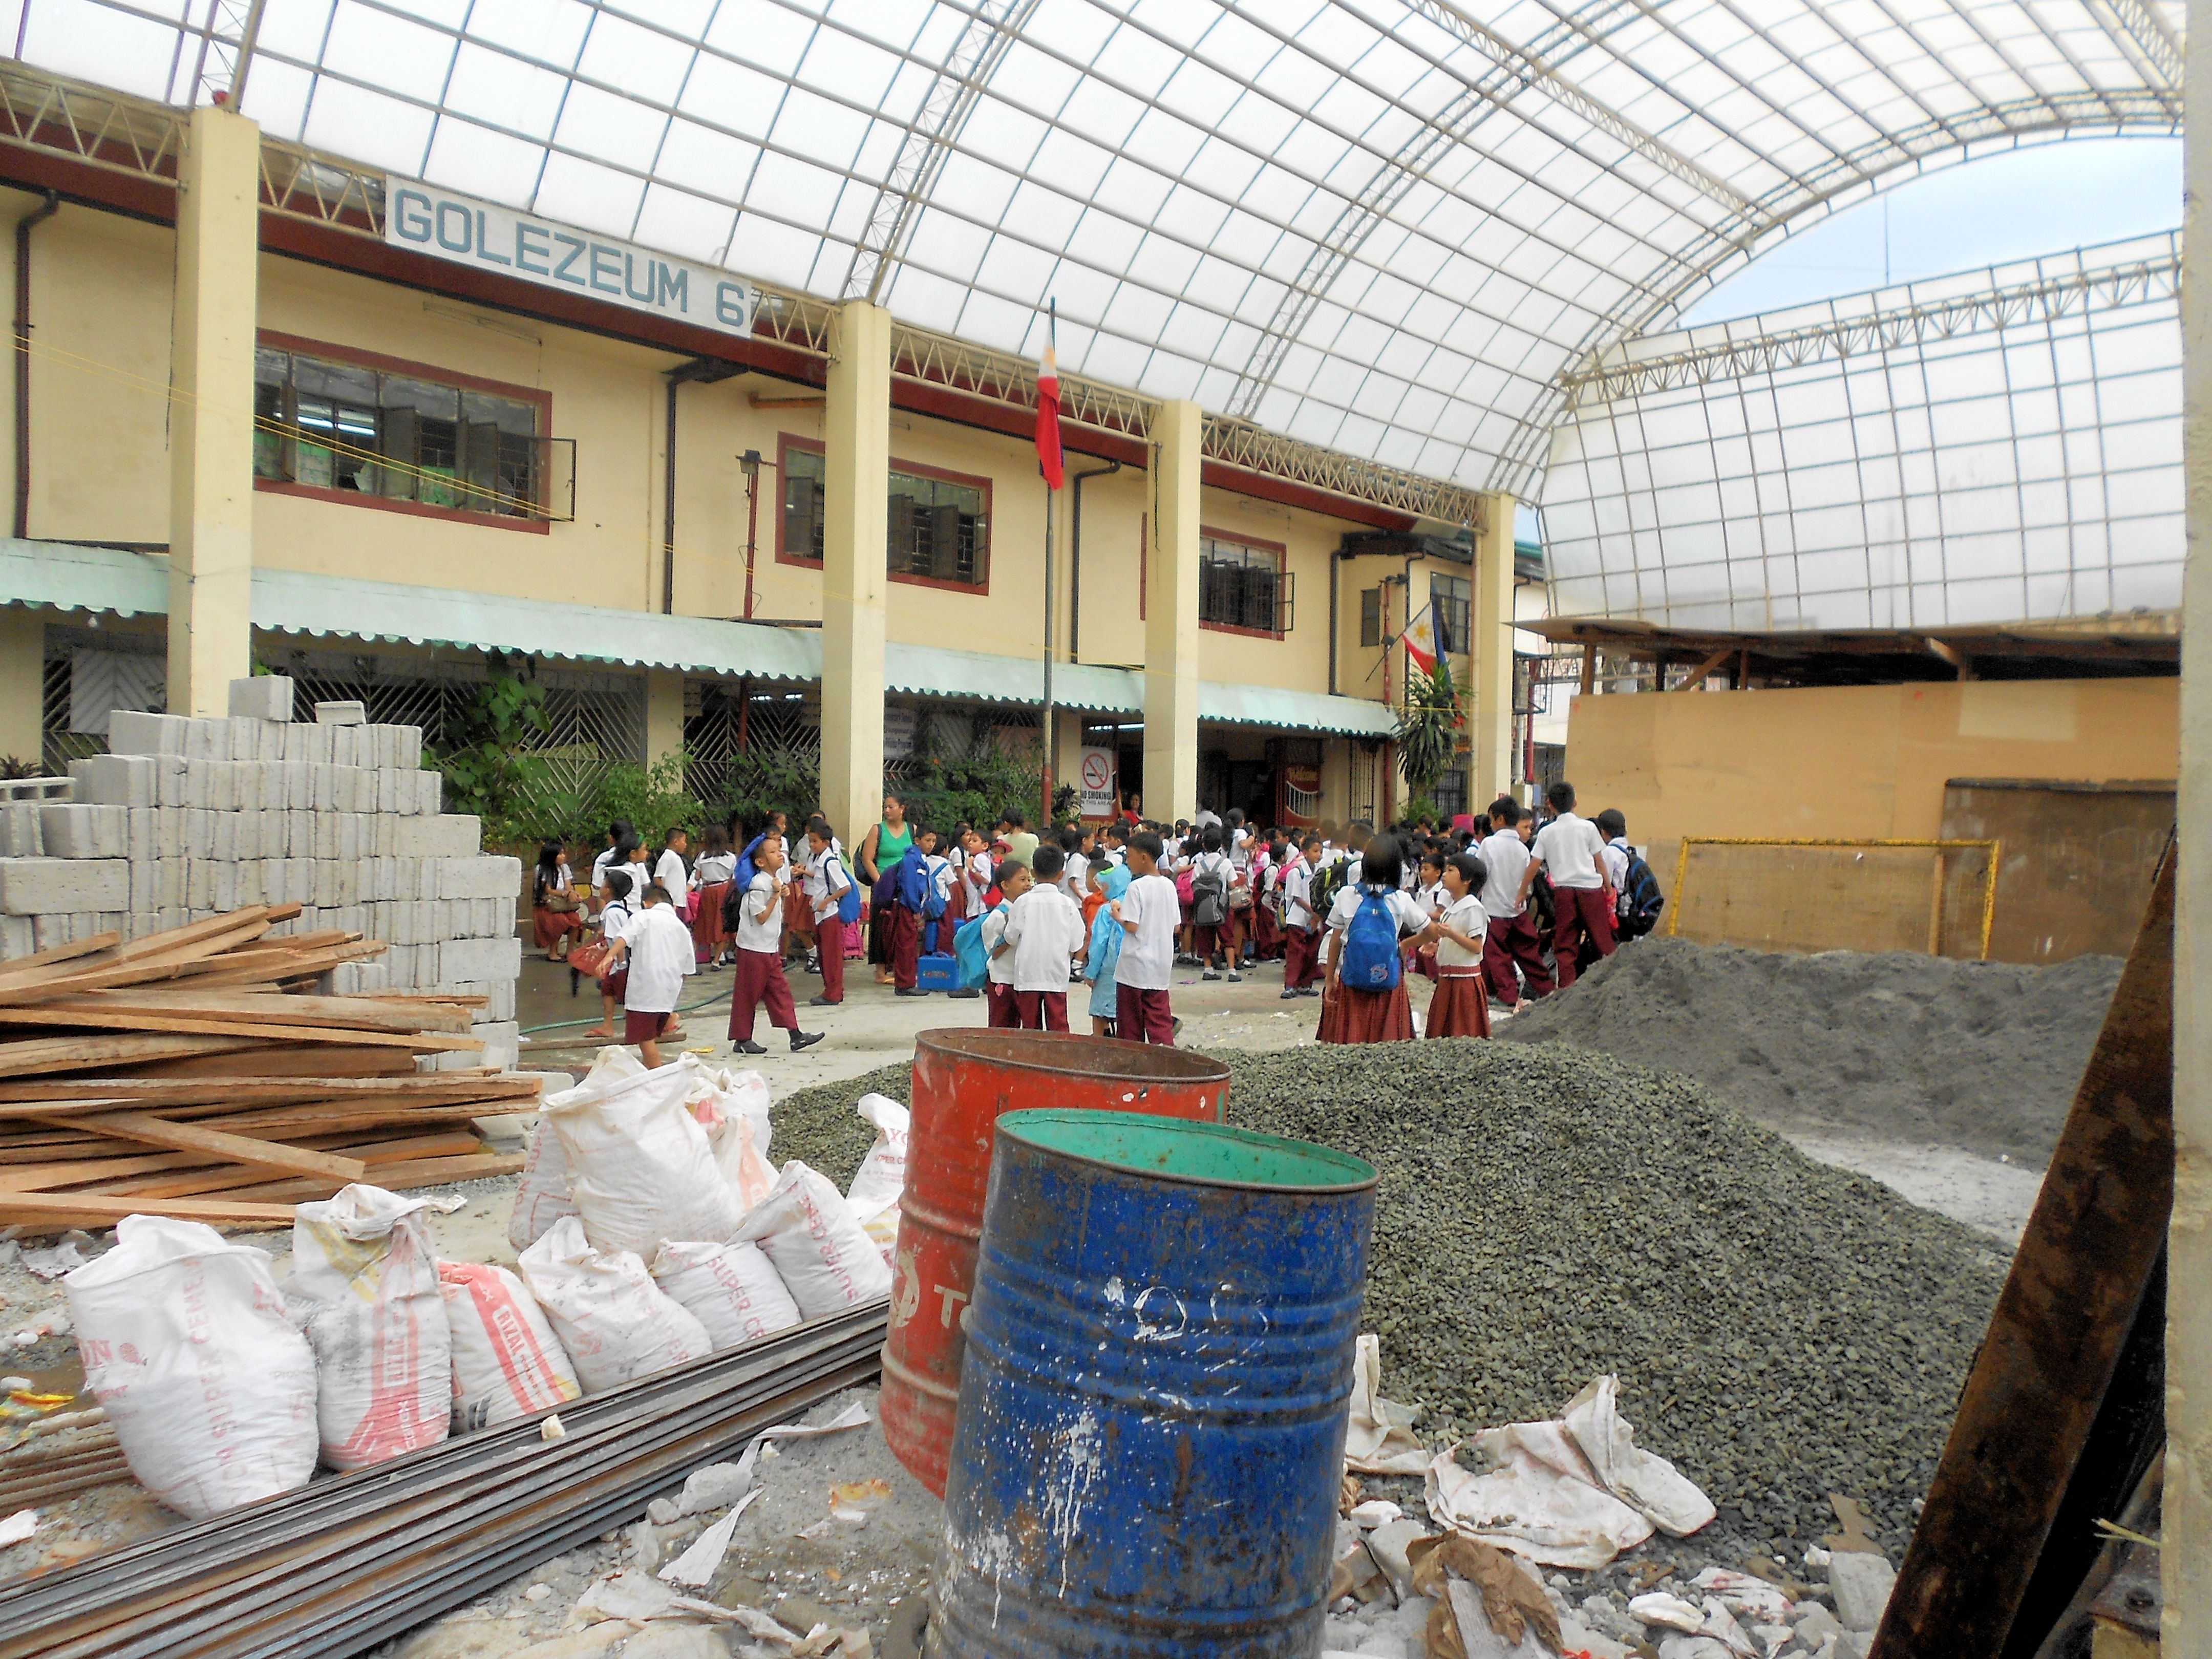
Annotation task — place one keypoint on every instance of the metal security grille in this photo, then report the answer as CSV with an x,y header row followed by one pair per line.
x,y
731,719
1365,790
63,690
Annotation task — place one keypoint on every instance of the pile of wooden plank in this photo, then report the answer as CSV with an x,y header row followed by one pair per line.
x,y
196,1073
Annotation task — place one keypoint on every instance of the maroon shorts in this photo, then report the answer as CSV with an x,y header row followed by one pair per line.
x,y
616,984
642,1028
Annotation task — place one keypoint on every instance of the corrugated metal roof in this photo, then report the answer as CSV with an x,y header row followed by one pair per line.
x,y
124,583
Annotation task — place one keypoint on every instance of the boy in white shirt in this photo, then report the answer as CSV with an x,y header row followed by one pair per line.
x,y
1511,936
1045,933
656,949
1149,912
828,881
616,913
668,869
759,953
1572,852
1001,1014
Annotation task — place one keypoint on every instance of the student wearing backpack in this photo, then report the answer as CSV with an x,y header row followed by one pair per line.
x,y
1364,999
834,897
912,891
1636,911
1211,873
1108,883
1148,912
1570,850
1002,1013
1301,921
760,981
1512,937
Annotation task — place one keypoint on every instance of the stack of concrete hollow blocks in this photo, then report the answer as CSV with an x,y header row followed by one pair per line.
x,y
184,818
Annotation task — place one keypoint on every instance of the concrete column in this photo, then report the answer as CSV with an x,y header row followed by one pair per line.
x,y
1491,659
211,413
22,683
663,713
856,431
1172,618
2185,1562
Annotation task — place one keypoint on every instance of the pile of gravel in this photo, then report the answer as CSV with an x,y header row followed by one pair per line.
x,y
1783,1330
1982,1056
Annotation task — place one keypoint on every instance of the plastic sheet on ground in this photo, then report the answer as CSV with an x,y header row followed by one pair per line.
x,y
1575,1492
1379,1441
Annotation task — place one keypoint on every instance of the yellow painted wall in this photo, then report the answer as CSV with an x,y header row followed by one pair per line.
x,y
1853,760
101,302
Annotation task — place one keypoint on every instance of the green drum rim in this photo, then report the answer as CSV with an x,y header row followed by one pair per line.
x,y
1193,1153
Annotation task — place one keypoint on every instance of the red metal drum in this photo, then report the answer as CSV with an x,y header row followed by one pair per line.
x,y
963,1080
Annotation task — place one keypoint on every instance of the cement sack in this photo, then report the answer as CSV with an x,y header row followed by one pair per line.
x,y
809,1231
616,1324
365,1286
507,1363
541,1196
733,1288
208,1384
640,1167
732,1108
877,1184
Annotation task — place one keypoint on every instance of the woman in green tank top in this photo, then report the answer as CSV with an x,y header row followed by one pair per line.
x,y
886,844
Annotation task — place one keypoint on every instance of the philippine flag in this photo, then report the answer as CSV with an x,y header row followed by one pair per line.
x,y
1421,642
1047,422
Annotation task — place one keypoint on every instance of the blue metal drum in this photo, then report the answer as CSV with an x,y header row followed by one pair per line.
x,y
1152,1406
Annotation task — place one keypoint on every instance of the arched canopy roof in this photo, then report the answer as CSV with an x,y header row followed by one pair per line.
x,y
1381,225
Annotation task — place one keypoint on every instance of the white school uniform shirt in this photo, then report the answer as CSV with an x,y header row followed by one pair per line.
x,y
660,955
1074,879
714,867
1504,860
940,875
1571,849
1616,864
1148,954
1434,899
827,879
976,876
1001,972
1215,866
760,924
600,869
1466,914
616,920
668,870
563,880
1298,891
1046,930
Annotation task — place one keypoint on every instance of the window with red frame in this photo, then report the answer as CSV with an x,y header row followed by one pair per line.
x,y
938,529
327,423
1243,586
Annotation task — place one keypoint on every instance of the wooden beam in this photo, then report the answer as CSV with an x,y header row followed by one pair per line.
x,y
1958,659
152,1131
39,1209
35,1055
103,1019
1697,674
1589,668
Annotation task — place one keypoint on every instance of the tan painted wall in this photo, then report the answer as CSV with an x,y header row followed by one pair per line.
x,y
1851,761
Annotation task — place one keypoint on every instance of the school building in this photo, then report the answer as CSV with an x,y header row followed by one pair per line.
x,y
273,407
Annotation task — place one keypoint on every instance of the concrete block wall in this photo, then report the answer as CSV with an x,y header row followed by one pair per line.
x,y
184,818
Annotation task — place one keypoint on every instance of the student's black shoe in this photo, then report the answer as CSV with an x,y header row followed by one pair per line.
x,y
963,996
747,1048
825,1002
1288,993
1209,973
805,1039
1236,978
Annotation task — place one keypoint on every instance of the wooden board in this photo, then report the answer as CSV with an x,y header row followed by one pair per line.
x,y
76,1211
30,1056
150,1130
74,1015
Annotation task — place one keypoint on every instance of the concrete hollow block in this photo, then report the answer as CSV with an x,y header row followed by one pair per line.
x,y
261,697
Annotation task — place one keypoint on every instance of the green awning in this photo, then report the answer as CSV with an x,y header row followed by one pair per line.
x,y
126,584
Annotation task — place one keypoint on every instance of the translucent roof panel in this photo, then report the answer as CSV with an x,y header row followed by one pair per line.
x,y
1381,225
1989,449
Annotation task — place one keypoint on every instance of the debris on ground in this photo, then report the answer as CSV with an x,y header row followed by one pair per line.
x,y
1984,1055
1782,1329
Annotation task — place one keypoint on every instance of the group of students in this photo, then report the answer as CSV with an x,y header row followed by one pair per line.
x,y
1117,907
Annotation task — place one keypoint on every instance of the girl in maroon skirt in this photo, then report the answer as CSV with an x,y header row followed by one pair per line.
x,y
1461,1006
1351,1015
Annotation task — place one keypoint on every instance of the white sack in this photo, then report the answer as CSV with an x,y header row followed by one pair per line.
x,y
614,1320
365,1281
746,1095
1552,1499
541,1196
809,1231
507,1363
734,1290
733,1108
1650,1485
640,1167
881,1178
210,1386
1379,1440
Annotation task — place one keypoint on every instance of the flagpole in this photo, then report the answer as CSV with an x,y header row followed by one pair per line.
x,y
1045,823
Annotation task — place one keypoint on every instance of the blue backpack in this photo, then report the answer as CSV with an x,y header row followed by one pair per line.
x,y
914,882
849,901
972,963
1371,962
746,868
